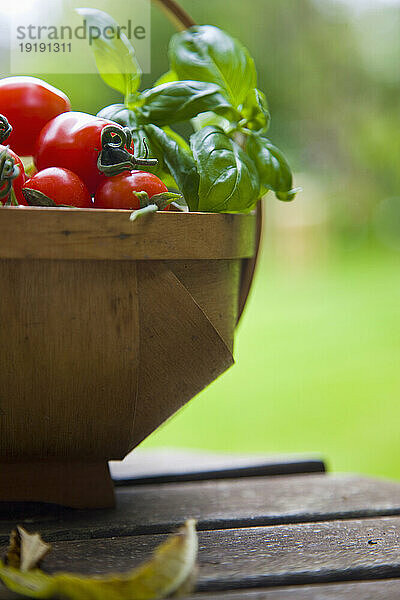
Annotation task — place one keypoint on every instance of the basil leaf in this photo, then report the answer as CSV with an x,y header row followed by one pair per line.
x,y
229,180
115,58
210,118
182,100
120,114
255,111
272,166
167,77
207,53
177,138
180,163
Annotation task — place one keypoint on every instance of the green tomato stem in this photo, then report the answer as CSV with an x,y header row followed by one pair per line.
x,y
8,172
150,208
5,129
114,157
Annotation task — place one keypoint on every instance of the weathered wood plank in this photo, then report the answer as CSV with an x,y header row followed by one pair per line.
x,y
385,589
65,408
67,233
388,589
171,465
258,556
216,505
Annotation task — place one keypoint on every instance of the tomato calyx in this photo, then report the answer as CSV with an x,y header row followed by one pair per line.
x,y
36,198
8,172
5,129
153,204
114,157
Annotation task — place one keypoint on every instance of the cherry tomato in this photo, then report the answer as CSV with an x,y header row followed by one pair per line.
x,y
118,191
29,103
73,141
19,181
62,186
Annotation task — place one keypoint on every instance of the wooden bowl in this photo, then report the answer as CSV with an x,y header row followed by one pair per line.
x,y
107,328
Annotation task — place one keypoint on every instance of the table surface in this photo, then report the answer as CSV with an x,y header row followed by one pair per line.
x,y
277,528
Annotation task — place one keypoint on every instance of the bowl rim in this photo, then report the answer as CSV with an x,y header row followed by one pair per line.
x,y
108,234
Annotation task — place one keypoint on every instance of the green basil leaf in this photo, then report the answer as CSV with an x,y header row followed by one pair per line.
x,y
207,53
255,111
120,114
182,143
167,77
272,166
183,100
115,58
179,162
210,118
229,180
177,138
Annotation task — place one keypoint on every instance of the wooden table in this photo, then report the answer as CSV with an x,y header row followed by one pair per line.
x,y
275,529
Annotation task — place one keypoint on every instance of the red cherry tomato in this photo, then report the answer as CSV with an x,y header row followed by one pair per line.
x,y
62,186
19,181
73,141
118,191
29,103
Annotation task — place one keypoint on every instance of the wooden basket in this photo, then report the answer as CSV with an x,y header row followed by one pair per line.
x,y
107,328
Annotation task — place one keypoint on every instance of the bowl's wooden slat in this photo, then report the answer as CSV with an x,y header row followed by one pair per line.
x,y
110,235
180,349
70,331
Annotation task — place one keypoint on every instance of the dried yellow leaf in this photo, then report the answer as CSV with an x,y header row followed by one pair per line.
x,y
25,550
167,573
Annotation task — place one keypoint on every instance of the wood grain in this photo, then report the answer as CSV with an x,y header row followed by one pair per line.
x,y
249,264
77,484
258,556
223,504
110,235
214,284
181,352
70,335
100,353
388,589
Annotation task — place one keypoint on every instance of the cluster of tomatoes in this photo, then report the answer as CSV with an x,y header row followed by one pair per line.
x,y
65,146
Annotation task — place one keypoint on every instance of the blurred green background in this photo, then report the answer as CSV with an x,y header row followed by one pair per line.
x,y
318,348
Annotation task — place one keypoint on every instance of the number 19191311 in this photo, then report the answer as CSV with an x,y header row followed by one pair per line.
x,y
46,47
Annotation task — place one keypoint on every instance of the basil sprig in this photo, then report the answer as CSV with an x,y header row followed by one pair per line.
x,y
229,180
115,57
255,111
180,162
207,53
182,100
272,166
212,82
